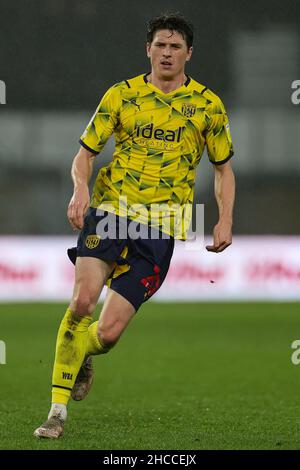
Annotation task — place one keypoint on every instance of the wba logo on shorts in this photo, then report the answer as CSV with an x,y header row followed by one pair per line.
x,y
92,241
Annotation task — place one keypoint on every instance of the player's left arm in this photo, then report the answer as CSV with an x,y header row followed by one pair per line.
x,y
225,195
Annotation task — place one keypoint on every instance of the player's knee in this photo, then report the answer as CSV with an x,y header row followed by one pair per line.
x,y
83,305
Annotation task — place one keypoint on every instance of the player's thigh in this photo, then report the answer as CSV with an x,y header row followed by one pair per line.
x,y
90,277
115,315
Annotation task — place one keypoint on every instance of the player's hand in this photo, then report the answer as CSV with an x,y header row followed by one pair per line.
x,y
78,206
222,237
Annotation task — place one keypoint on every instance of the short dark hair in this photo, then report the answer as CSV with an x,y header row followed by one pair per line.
x,y
174,22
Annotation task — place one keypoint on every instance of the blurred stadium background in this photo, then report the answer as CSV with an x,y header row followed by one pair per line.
x,y
57,59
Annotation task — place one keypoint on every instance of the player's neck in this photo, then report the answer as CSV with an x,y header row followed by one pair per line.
x,y
166,86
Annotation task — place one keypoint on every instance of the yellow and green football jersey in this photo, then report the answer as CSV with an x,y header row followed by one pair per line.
x,y
159,141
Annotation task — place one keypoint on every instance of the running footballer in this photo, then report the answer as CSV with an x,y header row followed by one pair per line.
x,y
162,122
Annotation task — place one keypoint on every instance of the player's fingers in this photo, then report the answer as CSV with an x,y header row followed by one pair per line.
x,y
223,246
219,248
212,248
216,239
70,215
78,216
81,214
74,216
216,244
85,208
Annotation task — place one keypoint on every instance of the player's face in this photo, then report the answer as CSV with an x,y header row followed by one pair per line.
x,y
168,53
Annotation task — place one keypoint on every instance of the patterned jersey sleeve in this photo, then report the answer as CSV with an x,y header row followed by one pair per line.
x,y
218,137
103,122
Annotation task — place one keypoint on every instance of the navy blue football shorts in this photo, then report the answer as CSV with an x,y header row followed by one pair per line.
x,y
141,264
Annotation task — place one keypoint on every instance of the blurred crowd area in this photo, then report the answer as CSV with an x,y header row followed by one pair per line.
x,y
59,57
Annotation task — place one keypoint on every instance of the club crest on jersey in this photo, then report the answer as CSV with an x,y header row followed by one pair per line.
x,y
92,241
188,110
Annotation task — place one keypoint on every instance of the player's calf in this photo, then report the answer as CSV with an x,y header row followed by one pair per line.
x,y
85,377
84,380
109,334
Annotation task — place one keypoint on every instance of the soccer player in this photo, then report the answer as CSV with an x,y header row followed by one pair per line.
x,y
162,122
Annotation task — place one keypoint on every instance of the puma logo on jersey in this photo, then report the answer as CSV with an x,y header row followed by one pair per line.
x,y
135,103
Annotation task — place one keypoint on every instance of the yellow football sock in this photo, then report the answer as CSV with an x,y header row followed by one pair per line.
x,y
94,347
70,352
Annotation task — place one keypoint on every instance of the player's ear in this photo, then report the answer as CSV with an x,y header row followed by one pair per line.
x,y
190,51
148,45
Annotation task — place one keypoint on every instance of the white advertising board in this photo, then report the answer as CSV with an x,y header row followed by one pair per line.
x,y
253,268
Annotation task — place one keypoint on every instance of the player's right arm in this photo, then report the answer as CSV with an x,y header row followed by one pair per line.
x,y
82,169
92,141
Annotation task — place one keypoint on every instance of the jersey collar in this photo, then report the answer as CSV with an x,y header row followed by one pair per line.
x,y
186,83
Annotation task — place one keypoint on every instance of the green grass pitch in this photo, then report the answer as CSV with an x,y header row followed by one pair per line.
x,y
183,376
